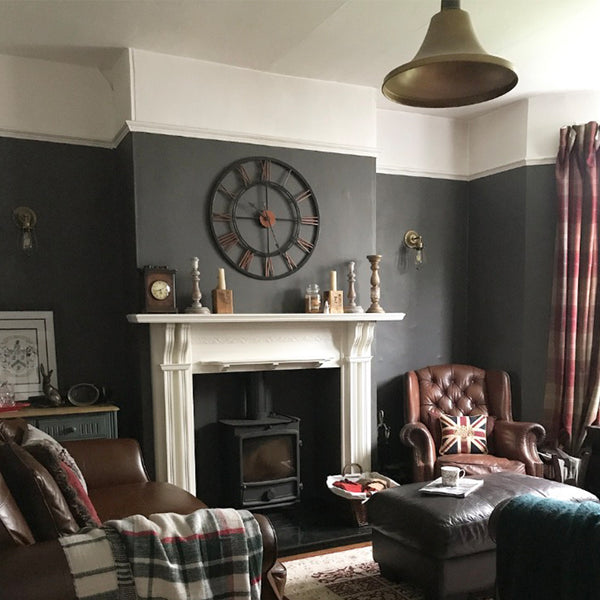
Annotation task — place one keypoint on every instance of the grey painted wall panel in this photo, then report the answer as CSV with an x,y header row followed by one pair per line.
x,y
79,270
434,297
512,220
174,178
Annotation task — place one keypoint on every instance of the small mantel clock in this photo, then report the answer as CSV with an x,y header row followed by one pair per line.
x,y
264,217
159,289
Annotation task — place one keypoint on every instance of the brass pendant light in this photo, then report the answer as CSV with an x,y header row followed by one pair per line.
x,y
450,68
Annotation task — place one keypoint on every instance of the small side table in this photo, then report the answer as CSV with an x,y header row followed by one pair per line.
x,y
71,422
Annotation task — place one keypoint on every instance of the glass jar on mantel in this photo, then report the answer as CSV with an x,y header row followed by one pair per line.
x,y
312,299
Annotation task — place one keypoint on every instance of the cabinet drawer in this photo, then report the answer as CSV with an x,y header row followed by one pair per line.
x,y
78,427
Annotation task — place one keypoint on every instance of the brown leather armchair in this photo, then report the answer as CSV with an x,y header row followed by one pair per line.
x,y
459,390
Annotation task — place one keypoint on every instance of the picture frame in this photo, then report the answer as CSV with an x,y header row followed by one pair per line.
x,y
26,342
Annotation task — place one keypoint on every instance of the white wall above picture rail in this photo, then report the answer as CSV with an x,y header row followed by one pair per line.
x,y
170,95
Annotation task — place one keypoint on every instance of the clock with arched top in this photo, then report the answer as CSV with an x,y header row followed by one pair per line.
x,y
264,217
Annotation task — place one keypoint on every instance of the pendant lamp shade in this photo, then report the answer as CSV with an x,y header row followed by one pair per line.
x,y
450,68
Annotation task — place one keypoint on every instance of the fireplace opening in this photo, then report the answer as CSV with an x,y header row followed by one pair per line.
x,y
262,452
312,396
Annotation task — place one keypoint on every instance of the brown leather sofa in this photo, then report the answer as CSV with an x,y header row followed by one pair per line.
x,y
464,390
118,486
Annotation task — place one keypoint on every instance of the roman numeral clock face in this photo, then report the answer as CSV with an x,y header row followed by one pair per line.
x,y
264,217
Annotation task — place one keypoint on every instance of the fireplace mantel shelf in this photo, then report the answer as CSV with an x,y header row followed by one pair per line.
x,y
184,345
263,318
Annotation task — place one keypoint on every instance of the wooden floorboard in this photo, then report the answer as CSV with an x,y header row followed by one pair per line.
x,y
325,551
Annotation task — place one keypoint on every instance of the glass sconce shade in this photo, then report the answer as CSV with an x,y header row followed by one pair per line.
x,y
414,241
25,219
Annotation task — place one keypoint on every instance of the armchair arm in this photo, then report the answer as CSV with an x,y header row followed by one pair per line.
x,y
37,571
519,441
108,462
417,436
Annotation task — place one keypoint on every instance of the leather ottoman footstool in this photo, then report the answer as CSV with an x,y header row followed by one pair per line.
x,y
441,543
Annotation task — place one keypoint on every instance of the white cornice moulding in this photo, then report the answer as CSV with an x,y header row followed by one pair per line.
x,y
514,165
57,139
383,169
245,138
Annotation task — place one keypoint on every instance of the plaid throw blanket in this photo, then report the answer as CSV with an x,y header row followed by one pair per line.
x,y
210,554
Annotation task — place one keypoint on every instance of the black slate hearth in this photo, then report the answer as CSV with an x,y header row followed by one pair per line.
x,y
315,525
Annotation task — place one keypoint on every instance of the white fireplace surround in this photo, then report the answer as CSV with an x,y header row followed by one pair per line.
x,y
183,345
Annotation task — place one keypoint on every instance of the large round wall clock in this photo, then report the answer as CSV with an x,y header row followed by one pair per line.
x,y
264,217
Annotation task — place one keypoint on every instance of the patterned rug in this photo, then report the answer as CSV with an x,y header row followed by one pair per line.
x,y
347,575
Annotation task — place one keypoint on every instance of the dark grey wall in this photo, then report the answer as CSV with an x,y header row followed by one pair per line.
x,y
78,270
434,297
173,181
511,246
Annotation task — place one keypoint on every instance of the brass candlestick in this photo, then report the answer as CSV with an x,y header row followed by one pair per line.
x,y
351,307
375,259
196,307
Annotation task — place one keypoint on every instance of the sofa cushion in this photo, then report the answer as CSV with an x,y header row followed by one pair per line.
x,y
36,437
13,527
36,494
77,498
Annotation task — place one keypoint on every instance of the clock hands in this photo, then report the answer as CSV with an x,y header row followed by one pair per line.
x,y
274,238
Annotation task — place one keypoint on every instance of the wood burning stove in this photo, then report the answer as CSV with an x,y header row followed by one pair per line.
x,y
261,453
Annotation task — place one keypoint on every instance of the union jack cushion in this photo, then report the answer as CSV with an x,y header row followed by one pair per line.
x,y
463,435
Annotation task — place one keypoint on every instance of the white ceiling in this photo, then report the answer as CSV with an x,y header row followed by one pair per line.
x,y
552,43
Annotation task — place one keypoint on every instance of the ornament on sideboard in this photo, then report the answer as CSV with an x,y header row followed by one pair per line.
x,y
222,298
333,296
196,306
51,394
375,259
352,307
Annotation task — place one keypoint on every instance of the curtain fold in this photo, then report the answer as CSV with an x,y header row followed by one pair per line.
x,y
572,396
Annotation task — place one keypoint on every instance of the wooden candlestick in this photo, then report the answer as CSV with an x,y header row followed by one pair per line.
x,y
196,307
351,307
375,259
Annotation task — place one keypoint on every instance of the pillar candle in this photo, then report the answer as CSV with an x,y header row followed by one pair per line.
x,y
333,281
221,284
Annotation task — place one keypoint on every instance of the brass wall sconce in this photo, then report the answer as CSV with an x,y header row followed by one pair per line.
x,y
25,219
414,241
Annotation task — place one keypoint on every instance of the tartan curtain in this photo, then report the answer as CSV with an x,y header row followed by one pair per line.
x,y
572,397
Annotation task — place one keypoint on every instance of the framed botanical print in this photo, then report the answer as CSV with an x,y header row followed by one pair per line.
x,y
26,342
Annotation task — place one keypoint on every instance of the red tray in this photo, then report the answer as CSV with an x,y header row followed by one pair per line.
x,y
18,406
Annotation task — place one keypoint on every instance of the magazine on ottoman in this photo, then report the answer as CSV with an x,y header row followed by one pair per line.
x,y
465,486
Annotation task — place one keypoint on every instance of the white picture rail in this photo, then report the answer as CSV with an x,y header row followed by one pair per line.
x,y
26,342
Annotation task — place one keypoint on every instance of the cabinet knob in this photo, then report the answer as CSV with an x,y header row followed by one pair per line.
x,y
69,429
269,495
